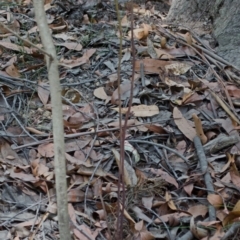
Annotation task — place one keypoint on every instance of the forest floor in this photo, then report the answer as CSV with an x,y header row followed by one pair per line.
x,y
181,165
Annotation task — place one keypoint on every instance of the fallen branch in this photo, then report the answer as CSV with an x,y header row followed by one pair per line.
x,y
216,145
207,177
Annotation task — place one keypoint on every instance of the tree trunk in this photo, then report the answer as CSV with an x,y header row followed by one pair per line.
x,y
223,16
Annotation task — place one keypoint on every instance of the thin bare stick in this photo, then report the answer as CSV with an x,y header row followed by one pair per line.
x,y
124,128
207,177
58,134
121,169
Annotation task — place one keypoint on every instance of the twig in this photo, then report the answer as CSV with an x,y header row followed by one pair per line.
x,y
122,133
124,127
207,176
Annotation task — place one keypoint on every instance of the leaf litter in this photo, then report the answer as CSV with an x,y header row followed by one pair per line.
x,y
176,97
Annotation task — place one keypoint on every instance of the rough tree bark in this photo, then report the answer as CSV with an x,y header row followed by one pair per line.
x,y
224,16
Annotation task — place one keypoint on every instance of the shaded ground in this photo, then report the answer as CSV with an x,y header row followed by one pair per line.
x,y
179,85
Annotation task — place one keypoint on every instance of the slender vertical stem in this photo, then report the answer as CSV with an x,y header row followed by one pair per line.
x,y
57,116
121,169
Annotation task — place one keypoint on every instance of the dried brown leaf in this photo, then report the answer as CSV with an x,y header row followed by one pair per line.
x,y
141,110
183,124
